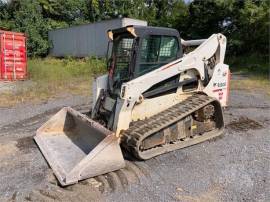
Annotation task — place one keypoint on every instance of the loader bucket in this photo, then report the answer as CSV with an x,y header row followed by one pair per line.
x,y
77,147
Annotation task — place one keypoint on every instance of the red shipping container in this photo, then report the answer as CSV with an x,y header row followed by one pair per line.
x,y
13,56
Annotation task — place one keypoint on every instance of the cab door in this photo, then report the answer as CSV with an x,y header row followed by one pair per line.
x,y
156,51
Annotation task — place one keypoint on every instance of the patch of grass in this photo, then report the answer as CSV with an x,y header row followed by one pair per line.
x,y
252,83
255,64
51,77
255,69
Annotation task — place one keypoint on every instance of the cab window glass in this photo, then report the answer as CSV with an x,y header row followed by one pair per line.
x,y
156,51
122,55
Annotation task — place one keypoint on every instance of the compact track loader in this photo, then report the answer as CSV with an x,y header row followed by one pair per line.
x,y
155,98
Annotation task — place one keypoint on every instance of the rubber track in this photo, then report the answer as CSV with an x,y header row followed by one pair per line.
x,y
132,138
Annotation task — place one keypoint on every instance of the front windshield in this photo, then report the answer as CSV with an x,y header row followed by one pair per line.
x,y
121,57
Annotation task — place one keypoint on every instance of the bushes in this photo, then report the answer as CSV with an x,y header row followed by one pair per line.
x,y
253,64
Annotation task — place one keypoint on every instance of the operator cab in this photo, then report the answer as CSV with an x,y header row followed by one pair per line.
x,y
136,50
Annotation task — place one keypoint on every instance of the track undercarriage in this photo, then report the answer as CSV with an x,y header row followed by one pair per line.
x,y
196,119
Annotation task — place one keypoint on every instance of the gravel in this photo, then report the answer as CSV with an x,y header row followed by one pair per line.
x,y
25,111
235,167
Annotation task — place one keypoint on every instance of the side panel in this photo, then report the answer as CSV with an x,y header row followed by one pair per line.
x,y
98,84
218,86
123,115
150,107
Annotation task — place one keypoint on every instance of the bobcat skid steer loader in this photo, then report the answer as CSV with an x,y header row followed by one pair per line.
x,y
155,98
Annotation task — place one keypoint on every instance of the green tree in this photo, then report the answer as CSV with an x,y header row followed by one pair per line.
x,y
206,17
5,17
245,23
249,30
61,13
28,19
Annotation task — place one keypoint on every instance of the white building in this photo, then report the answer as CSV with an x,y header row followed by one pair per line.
x,y
86,40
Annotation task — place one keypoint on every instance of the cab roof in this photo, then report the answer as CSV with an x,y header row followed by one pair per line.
x,y
139,31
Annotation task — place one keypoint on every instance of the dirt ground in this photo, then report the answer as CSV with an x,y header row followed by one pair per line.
x,y
234,167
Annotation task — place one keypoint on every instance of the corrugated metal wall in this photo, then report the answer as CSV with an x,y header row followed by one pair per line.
x,y
13,56
86,40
